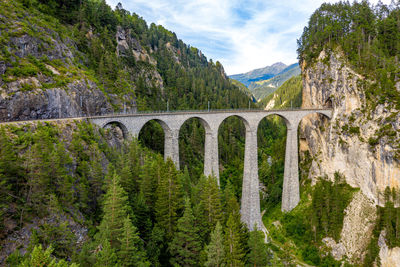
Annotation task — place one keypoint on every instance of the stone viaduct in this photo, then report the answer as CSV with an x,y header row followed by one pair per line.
x,y
171,122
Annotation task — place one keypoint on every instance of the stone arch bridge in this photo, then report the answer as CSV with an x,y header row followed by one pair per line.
x,y
171,122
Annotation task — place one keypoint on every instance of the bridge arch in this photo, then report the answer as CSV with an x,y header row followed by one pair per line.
x,y
153,133
271,146
119,124
243,119
205,124
194,132
233,160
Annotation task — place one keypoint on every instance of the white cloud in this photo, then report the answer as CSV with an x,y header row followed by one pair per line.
x,y
242,35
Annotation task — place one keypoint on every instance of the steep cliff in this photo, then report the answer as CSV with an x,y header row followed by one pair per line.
x,y
355,142
349,143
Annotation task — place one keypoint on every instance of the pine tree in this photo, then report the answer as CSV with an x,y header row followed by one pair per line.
x,y
106,255
234,254
208,209
169,199
142,216
215,250
40,257
114,213
258,255
231,204
129,254
184,179
210,200
155,245
186,246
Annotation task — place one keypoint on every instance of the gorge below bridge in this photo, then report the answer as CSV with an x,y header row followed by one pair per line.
x,y
171,122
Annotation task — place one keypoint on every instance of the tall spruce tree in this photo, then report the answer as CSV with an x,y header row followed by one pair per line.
x,y
210,200
117,235
258,255
40,257
115,211
215,250
234,255
169,199
186,246
129,253
208,208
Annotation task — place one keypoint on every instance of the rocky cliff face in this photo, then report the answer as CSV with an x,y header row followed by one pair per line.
x,y
43,73
40,96
82,98
360,141
343,143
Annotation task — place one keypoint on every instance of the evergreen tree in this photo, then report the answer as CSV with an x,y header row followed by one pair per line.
x,y
169,199
210,200
155,245
106,255
258,255
185,181
234,255
209,208
186,246
231,204
117,234
40,257
129,254
215,250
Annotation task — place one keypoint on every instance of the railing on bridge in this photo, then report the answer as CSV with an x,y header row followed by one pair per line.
x,y
145,112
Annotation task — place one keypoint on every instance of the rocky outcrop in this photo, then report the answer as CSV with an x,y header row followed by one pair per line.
x,y
52,46
358,224
127,45
79,98
388,257
342,145
57,219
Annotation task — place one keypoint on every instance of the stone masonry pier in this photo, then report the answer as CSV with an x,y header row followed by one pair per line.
x,y
171,122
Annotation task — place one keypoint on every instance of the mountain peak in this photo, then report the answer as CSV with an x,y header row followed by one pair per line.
x,y
260,74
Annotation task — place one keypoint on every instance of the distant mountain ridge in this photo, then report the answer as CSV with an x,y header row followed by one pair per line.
x,y
264,81
263,88
259,74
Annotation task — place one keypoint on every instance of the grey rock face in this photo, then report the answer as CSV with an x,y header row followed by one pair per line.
x,y
54,49
81,99
335,84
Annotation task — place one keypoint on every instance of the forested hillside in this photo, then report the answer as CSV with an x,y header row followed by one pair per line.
x,y
70,58
369,38
73,194
264,88
288,95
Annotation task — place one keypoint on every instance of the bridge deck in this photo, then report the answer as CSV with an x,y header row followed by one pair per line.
x,y
160,113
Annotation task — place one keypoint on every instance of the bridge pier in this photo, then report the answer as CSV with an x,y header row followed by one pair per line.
x,y
171,146
211,160
291,190
250,206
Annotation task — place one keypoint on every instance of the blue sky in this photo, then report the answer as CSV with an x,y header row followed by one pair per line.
x,y
242,35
